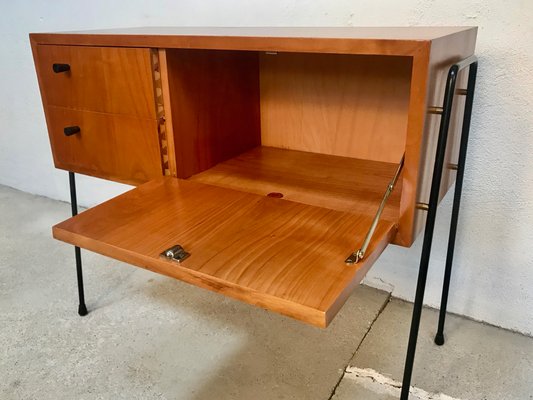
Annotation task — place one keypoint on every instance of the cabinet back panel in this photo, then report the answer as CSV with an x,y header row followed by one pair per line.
x,y
344,105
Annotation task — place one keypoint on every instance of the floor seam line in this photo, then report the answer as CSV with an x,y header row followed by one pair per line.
x,y
382,308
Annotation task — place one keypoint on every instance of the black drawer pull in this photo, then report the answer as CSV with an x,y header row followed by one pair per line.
x,y
60,68
71,130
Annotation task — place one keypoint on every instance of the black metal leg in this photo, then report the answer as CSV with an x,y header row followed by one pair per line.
x,y
82,308
439,337
432,211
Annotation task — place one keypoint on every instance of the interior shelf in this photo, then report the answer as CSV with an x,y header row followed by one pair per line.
x,y
339,183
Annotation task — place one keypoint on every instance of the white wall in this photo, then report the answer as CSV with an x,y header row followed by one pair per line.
x,y
493,275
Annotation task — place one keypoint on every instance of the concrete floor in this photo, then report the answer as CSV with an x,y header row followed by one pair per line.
x,y
152,337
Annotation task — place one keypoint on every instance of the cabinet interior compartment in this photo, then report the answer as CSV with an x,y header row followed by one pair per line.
x,y
214,103
345,105
313,128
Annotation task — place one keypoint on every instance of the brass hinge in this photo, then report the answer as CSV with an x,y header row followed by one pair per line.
x,y
175,253
358,255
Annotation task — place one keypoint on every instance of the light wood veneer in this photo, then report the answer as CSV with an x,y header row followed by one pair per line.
x,y
111,146
343,40
277,254
214,102
104,79
338,183
344,105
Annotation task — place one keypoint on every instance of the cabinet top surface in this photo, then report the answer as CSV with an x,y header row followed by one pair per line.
x,y
376,33
370,40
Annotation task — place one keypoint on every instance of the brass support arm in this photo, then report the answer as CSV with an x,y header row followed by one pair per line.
x,y
358,255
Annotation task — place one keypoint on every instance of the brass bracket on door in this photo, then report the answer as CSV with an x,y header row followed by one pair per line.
x,y
358,255
175,253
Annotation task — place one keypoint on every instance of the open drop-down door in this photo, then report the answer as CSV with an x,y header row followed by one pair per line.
x,y
277,254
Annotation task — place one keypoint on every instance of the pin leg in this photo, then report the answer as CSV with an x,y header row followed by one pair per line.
x,y
439,337
432,210
82,308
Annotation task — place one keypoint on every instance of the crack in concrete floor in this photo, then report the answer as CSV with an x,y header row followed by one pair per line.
x,y
381,384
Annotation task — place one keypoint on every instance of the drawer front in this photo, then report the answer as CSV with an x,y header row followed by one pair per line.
x,y
109,146
104,79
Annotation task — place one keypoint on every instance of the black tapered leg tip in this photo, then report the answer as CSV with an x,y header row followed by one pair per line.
x,y
439,339
82,310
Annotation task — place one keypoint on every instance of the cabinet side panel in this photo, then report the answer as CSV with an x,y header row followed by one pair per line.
x,y
214,98
444,52
413,146
343,105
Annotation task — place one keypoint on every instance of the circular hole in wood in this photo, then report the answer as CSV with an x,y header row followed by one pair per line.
x,y
276,195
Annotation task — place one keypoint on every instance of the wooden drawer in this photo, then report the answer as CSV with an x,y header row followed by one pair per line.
x,y
104,79
111,146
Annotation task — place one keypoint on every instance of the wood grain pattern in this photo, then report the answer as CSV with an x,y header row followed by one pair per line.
x,y
347,40
277,254
338,183
103,79
116,147
344,105
214,100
